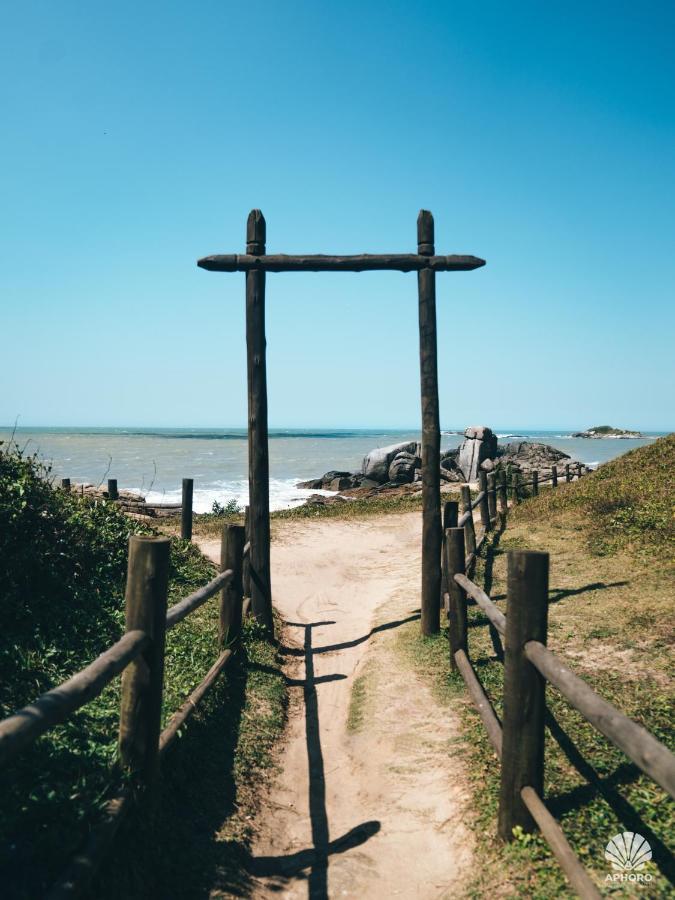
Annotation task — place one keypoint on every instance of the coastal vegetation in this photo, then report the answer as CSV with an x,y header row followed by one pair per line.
x,y
610,538
62,571
607,431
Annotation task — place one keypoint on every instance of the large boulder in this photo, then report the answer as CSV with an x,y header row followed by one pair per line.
x,y
376,463
528,455
480,443
402,468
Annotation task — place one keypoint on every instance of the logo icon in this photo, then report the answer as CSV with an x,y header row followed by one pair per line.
x,y
628,852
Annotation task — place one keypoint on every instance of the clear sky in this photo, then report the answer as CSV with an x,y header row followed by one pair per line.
x,y
137,136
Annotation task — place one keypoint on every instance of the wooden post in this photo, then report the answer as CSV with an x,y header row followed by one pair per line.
x,y
186,510
503,493
554,476
247,560
579,468
143,679
231,596
455,555
113,493
524,689
450,514
568,474
483,506
491,482
535,483
431,433
65,484
515,485
258,450
469,528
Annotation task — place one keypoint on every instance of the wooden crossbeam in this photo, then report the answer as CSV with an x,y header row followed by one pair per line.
x,y
362,262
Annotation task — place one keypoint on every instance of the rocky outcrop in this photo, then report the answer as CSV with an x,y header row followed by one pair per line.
x,y
402,468
376,463
128,501
607,431
480,443
527,455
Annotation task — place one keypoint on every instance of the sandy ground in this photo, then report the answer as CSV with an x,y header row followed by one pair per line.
x,y
380,811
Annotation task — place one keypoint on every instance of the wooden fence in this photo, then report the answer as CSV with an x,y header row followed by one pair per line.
x,y
518,740
139,657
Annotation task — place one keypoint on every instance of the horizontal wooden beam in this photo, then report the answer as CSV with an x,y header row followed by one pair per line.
x,y
363,262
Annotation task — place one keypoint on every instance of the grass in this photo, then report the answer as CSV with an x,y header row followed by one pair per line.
x,y
610,615
62,567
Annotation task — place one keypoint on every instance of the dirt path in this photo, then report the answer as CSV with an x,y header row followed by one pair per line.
x,y
373,804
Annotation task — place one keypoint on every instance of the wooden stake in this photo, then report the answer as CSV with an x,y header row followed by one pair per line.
x,y
492,495
469,528
258,450
143,679
515,485
65,484
431,433
535,483
524,689
113,493
554,476
455,556
246,578
483,506
568,474
503,493
186,510
232,595
450,514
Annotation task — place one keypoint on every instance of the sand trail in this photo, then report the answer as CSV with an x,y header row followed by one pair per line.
x,y
373,811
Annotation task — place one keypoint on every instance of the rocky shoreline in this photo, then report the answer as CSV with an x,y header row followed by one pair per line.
x,y
600,432
398,467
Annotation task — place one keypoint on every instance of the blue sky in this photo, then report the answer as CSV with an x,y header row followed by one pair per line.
x,y
136,138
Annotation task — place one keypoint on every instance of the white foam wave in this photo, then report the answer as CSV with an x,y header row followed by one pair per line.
x,y
283,494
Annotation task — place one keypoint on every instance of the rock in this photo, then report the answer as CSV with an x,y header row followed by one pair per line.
x,y
450,470
343,483
480,443
376,463
319,484
487,465
402,468
528,456
314,484
607,431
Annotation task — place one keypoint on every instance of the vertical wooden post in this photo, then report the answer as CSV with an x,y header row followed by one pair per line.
x,y
186,509
247,560
491,482
515,485
113,493
450,514
503,493
524,689
455,555
483,506
143,679
469,528
231,596
431,433
554,476
535,483
579,468
568,474
65,484
258,450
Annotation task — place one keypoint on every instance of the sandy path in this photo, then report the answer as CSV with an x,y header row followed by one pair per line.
x,y
377,812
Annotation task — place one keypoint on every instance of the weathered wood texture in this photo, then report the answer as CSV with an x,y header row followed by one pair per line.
x,y
636,742
56,705
494,614
258,450
469,527
484,505
431,433
65,484
480,699
143,680
186,509
455,555
568,473
515,485
535,483
113,493
254,261
524,690
554,476
450,514
193,601
231,598
492,495
246,578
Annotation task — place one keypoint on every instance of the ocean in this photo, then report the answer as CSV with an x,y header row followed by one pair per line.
x,y
153,461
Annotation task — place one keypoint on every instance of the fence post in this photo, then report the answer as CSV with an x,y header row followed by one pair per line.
x,y
113,493
503,493
450,514
579,468
231,596
186,509
143,679
515,479
554,476
455,555
535,483
65,484
469,528
247,561
568,474
524,689
492,495
483,506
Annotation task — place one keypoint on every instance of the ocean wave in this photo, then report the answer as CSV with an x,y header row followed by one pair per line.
x,y
283,494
